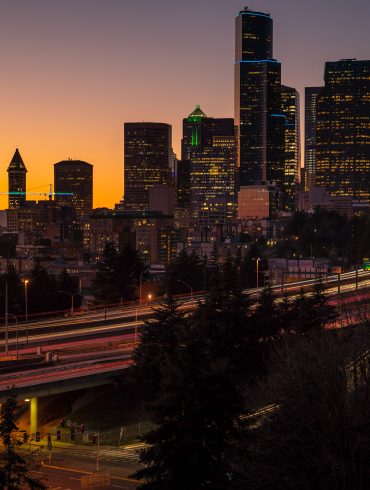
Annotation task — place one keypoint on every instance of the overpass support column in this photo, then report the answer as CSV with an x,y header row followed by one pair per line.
x,y
33,415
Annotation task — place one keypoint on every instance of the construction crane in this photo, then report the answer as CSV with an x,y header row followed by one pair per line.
x,y
49,194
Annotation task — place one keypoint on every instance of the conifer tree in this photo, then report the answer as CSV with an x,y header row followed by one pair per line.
x,y
14,468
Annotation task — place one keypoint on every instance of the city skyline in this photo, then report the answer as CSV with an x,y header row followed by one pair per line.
x,y
81,76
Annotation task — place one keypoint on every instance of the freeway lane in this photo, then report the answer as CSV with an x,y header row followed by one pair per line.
x,y
43,375
119,317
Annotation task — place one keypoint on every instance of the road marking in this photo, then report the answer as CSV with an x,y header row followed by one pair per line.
x,y
87,472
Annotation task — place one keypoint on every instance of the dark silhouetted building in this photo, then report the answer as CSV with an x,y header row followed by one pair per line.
x,y
311,94
74,177
148,159
343,130
292,153
183,169
17,173
258,117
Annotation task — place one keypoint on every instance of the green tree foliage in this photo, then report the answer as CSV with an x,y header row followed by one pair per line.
x,y
118,275
14,467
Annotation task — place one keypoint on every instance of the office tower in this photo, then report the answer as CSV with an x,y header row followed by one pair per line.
x,y
292,154
209,179
17,173
74,177
311,94
183,169
199,131
260,123
148,157
343,130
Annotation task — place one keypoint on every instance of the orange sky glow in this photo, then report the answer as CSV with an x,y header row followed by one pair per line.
x,y
74,71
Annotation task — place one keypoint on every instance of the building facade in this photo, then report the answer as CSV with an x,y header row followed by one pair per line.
x,y
343,130
73,186
311,94
292,150
209,145
148,160
258,117
17,173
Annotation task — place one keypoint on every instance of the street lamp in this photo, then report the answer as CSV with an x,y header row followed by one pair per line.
x,y
150,296
188,286
257,274
16,334
141,282
72,295
6,320
26,281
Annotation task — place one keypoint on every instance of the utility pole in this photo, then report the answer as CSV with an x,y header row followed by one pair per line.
x,y
97,452
6,319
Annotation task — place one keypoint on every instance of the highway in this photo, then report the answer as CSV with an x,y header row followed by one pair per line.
x,y
101,343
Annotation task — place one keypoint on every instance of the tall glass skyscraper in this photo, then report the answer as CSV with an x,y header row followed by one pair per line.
x,y
343,129
148,158
74,177
209,145
258,116
292,149
311,94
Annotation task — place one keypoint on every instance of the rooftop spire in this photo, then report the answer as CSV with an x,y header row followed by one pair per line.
x,y
197,114
17,162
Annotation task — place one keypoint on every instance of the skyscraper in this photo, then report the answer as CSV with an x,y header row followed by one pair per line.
x,y
148,158
292,153
343,129
210,145
311,94
75,177
17,173
258,116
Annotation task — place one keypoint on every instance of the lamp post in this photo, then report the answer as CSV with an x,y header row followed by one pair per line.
x,y
150,297
188,286
16,334
26,281
72,295
6,320
257,274
140,285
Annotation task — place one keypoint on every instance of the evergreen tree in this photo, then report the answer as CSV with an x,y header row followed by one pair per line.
x,y
311,312
197,398
43,293
118,275
159,338
186,270
68,284
14,469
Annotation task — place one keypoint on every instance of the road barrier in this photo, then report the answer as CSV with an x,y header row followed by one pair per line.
x,y
96,480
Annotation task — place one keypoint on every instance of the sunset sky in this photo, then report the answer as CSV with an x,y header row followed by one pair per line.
x,y
73,71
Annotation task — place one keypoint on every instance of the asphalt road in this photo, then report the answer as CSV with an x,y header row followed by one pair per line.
x,y
68,465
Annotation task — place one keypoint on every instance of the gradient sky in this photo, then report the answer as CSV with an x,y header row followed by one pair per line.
x,y
72,71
